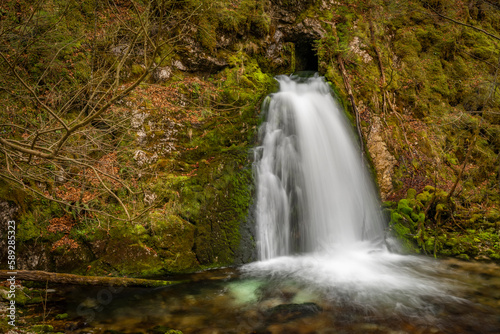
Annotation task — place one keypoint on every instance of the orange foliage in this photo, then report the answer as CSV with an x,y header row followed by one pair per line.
x,y
178,96
62,224
108,164
66,243
108,171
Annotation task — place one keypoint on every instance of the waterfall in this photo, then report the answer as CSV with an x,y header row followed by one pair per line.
x,y
319,225
313,190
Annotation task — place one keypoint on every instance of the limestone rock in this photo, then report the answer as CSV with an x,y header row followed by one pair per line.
x,y
195,59
201,62
383,161
358,47
179,65
162,74
142,158
149,197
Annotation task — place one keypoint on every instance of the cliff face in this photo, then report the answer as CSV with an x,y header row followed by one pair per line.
x,y
423,76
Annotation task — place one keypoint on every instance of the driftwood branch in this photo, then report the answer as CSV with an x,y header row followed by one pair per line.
x,y
44,276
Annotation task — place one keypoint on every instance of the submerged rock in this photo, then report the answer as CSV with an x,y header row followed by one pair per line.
x,y
288,312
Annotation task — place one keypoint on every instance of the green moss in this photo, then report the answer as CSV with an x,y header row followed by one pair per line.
x,y
408,215
32,224
411,194
137,69
4,324
126,256
407,45
493,215
28,228
42,328
260,24
207,33
12,193
223,209
22,297
403,233
173,240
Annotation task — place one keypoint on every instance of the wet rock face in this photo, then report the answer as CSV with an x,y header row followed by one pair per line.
x,y
247,252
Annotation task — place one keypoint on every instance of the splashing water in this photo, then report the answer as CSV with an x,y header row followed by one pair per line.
x,y
313,189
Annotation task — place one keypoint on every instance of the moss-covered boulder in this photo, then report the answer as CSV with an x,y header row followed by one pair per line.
x,y
126,256
173,240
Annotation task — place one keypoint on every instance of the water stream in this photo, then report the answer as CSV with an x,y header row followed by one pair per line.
x,y
427,296
323,265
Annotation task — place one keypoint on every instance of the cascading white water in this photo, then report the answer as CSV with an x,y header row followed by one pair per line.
x,y
313,190
319,225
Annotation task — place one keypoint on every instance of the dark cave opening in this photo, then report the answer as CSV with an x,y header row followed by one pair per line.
x,y
306,58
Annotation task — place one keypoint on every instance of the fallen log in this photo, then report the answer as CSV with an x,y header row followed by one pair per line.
x,y
60,278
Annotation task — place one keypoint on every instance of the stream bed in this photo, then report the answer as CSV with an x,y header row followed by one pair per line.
x,y
303,294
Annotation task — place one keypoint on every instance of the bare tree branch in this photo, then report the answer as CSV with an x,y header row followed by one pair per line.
x,y
12,68
66,152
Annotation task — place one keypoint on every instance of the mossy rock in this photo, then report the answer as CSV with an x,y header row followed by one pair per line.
x,y
11,193
137,69
164,330
42,328
126,256
224,211
173,240
4,291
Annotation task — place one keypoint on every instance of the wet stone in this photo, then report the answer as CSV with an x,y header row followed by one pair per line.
x,y
287,312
